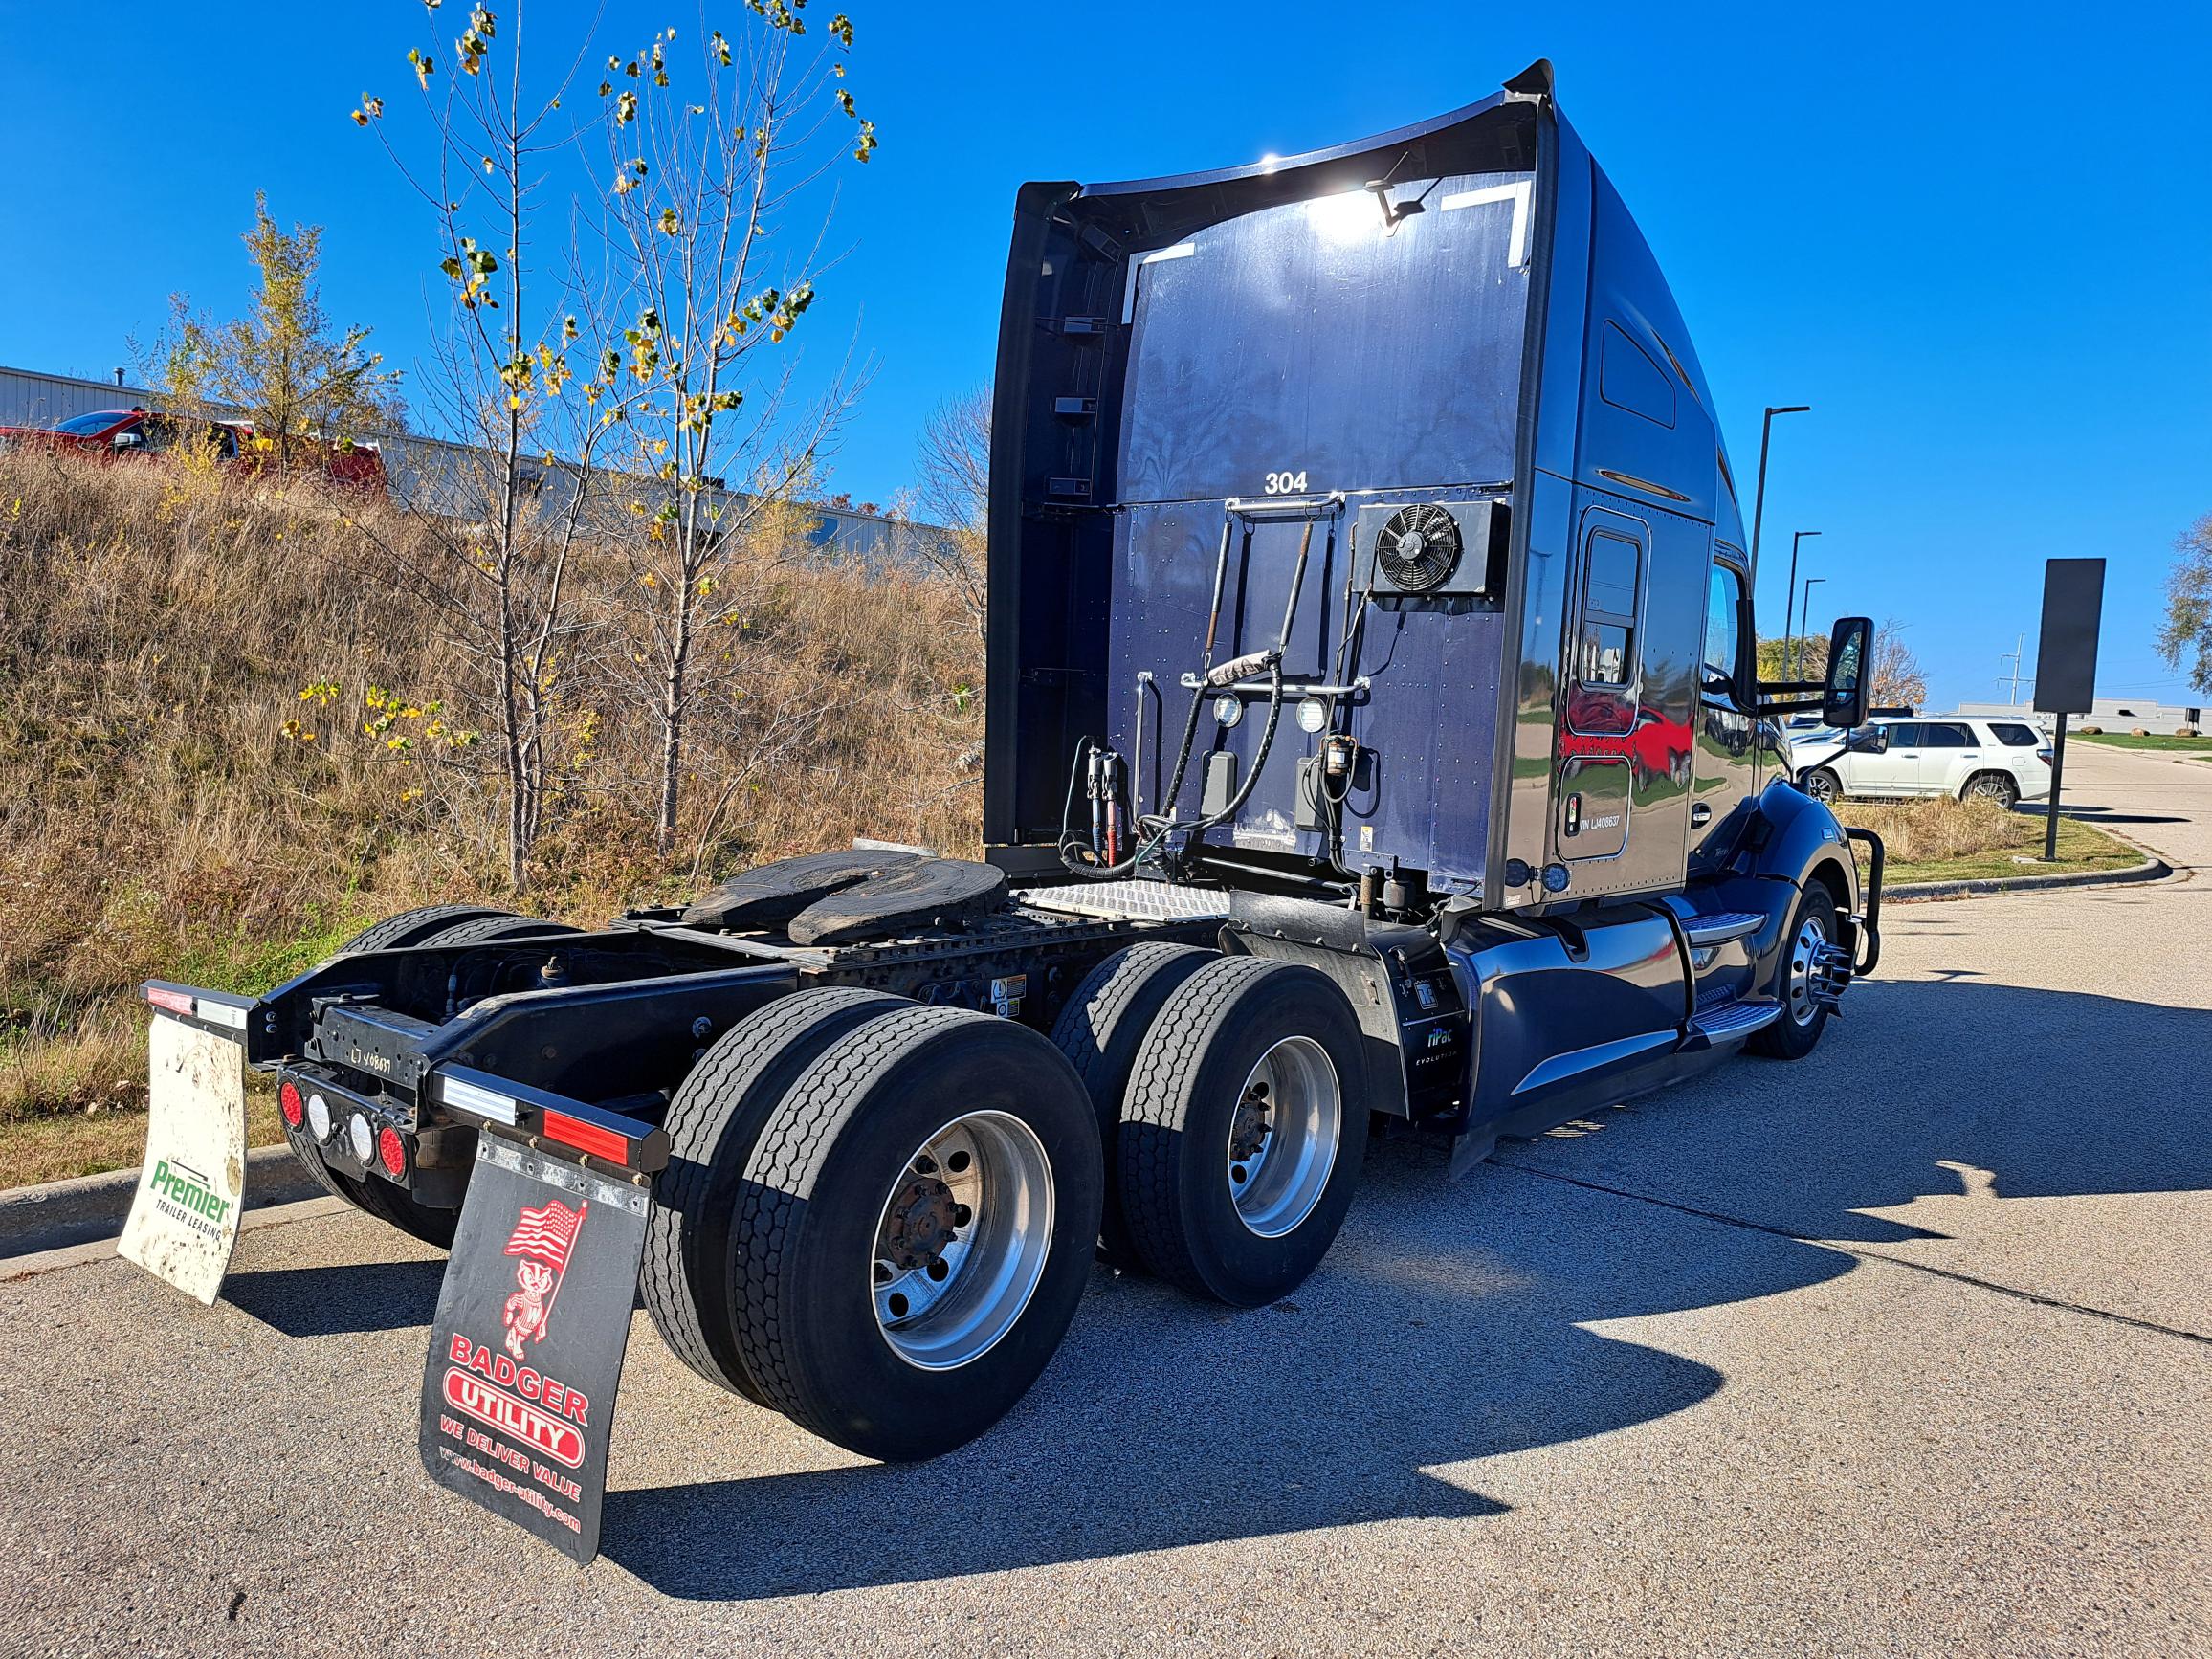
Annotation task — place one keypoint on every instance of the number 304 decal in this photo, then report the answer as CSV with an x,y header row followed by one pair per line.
x,y
1287,484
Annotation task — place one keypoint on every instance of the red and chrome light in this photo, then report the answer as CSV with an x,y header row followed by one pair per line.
x,y
288,1103
391,1152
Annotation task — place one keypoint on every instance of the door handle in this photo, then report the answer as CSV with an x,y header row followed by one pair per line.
x,y
1700,814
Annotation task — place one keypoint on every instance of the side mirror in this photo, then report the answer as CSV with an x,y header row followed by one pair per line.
x,y
130,439
1843,697
1873,740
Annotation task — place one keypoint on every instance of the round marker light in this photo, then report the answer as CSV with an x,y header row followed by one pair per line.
x,y
362,1136
1313,715
391,1152
1228,709
319,1116
289,1103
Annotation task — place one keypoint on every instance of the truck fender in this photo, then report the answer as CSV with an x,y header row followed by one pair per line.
x,y
1412,1017
1792,840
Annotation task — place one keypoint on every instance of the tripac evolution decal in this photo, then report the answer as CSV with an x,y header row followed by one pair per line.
x,y
527,1348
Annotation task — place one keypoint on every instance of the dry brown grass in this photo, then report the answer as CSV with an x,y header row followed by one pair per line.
x,y
157,627
1942,838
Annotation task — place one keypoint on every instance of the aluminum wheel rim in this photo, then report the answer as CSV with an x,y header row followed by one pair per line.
x,y
1988,789
1283,1137
1811,935
961,1241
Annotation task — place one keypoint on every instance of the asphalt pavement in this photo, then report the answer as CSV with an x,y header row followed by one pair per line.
x,y
1903,1349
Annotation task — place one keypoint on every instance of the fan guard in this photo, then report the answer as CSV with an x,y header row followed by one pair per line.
x,y
1419,548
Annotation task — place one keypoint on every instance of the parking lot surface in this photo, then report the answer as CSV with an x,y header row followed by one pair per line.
x,y
1906,1348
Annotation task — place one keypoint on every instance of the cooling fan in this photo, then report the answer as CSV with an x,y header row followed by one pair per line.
x,y
1418,549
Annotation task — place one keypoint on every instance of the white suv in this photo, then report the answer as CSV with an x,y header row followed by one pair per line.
x,y
1997,761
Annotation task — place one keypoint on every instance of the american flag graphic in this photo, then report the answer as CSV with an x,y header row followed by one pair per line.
x,y
547,1233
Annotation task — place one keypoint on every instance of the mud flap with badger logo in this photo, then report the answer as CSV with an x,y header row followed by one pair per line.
x,y
526,1350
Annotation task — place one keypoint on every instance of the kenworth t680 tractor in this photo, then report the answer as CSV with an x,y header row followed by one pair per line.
x,y
1373,743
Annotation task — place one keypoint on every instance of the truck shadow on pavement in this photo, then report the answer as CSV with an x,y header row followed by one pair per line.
x,y
340,1301
1450,1323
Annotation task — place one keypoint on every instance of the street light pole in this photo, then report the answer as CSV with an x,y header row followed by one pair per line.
x,y
1758,507
1805,618
1788,600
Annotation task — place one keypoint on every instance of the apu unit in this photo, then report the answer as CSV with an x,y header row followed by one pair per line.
x,y
1428,549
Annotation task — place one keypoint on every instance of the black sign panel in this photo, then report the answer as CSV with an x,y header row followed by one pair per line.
x,y
2065,657
526,1350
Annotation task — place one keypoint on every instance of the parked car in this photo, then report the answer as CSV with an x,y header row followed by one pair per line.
x,y
1998,761
138,431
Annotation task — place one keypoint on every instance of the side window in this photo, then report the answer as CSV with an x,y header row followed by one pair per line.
x,y
2016,736
1904,734
1724,622
1606,655
1945,736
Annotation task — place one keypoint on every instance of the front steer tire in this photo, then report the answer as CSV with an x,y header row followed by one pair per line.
x,y
690,1278
1795,1033
1235,1036
840,1169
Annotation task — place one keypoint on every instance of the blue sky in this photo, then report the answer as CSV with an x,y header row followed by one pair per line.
x,y
1977,240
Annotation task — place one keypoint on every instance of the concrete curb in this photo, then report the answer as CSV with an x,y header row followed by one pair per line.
x,y
59,1213
2152,869
78,1255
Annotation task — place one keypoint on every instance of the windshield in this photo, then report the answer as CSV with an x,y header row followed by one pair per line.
x,y
85,426
1314,346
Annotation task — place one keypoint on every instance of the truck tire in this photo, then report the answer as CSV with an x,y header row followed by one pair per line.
x,y
689,1280
1100,1031
431,924
500,925
415,926
917,1227
1792,1037
1227,1190
391,1205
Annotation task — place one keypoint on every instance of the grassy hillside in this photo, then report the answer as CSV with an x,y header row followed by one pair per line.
x,y
172,804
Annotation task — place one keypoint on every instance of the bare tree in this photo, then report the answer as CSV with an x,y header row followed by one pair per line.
x,y
952,492
714,228
2188,630
1894,676
502,544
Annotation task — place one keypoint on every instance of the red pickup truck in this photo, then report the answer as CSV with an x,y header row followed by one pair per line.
x,y
138,432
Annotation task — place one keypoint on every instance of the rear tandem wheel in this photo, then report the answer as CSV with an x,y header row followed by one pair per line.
x,y
914,1228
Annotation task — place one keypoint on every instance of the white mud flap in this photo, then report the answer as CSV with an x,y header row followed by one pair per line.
x,y
184,1220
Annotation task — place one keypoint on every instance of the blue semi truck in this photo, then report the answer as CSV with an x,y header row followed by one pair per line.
x,y
1373,740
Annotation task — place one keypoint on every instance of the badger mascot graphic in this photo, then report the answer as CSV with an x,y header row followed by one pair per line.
x,y
543,1238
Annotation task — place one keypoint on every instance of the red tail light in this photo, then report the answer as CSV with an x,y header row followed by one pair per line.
x,y
391,1152
288,1103
586,1137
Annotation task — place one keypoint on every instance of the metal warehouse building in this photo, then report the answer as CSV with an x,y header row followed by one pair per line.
x,y
432,474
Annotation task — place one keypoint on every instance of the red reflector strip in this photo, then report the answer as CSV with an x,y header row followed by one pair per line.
x,y
176,1001
585,1137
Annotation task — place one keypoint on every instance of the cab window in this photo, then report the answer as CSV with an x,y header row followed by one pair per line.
x,y
1724,625
1610,582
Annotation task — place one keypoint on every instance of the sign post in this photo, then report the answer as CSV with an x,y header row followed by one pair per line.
x,y
2065,662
